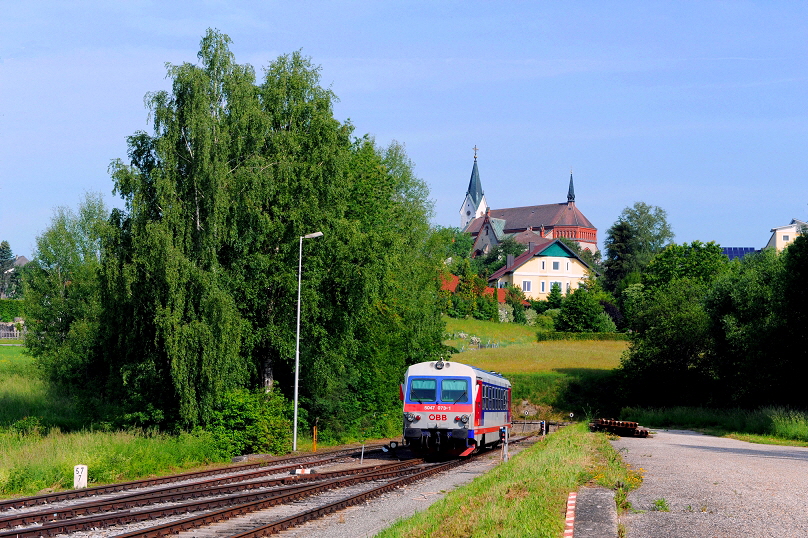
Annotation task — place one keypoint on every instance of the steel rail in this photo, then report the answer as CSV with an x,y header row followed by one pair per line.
x,y
260,499
174,494
315,513
22,502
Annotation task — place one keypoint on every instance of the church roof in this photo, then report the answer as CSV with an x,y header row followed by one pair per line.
x,y
535,216
526,237
475,189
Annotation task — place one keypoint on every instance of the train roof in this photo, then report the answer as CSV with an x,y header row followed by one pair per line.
x,y
487,372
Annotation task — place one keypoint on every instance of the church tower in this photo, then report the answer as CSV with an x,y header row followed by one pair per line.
x,y
474,204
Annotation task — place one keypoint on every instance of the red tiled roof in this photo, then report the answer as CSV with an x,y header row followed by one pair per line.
x,y
449,284
501,292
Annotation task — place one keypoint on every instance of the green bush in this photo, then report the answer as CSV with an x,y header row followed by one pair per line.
x,y
10,309
544,323
545,336
604,323
505,313
247,422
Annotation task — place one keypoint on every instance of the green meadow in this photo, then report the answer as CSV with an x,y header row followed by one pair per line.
x,y
555,378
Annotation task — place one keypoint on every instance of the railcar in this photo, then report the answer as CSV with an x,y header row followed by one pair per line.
x,y
454,408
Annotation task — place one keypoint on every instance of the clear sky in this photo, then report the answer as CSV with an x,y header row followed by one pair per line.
x,y
700,107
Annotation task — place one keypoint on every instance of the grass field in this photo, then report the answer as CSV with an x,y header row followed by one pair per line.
x,y
554,378
24,394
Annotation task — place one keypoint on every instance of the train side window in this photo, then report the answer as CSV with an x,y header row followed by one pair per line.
x,y
423,390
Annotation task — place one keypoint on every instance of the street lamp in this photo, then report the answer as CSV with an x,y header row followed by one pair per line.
x,y
297,340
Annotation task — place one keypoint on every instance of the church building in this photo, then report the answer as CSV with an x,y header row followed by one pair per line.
x,y
529,225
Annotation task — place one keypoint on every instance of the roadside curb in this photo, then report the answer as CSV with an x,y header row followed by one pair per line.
x,y
570,519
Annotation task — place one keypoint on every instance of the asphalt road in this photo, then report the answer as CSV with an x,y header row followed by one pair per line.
x,y
715,487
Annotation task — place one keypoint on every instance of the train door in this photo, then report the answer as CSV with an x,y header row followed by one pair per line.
x,y
478,404
509,406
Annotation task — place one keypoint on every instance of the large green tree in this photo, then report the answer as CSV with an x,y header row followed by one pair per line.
x,y
200,276
9,275
62,296
640,232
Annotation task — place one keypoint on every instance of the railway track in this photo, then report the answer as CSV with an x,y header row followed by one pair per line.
x,y
191,503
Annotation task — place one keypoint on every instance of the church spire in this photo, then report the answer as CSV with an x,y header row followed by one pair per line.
x,y
474,204
571,192
475,190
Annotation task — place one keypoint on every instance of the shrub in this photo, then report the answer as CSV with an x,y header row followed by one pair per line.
x,y
545,336
580,312
505,313
252,422
544,323
10,309
604,323
486,309
530,317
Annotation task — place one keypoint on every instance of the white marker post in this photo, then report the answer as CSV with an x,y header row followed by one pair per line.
x,y
79,476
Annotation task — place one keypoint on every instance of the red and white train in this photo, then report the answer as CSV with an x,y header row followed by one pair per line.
x,y
454,408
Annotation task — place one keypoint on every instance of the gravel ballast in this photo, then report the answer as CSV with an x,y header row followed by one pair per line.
x,y
715,487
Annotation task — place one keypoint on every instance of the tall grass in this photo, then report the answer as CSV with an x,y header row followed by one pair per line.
x,y
30,463
525,496
778,422
23,394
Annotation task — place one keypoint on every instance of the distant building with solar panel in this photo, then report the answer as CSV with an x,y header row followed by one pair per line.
x,y
738,252
782,236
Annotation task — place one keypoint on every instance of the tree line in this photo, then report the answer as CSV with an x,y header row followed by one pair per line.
x,y
156,313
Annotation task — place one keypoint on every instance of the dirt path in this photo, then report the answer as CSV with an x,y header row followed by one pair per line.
x,y
716,487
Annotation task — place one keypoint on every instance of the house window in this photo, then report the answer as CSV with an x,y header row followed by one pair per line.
x,y
542,286
568,287
568,266
785,238
526,285
542,265
555,266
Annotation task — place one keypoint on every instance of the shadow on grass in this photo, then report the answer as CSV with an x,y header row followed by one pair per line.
x,y
44,409
583,391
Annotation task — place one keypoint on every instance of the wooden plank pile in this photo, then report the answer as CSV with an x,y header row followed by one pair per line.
x,y
623,428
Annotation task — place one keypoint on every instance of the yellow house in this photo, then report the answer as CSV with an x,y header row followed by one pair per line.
x,y
546,264
782,236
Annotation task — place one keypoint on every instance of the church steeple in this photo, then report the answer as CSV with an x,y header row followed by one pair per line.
x,y
571,191
475,190
474,204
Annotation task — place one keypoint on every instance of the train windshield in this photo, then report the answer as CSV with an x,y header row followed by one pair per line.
x,y
454,390
423,390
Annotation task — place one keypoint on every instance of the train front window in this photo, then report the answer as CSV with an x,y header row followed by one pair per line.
x,y
454,390
423,390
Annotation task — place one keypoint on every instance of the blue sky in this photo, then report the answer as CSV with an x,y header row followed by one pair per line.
x,y
700,108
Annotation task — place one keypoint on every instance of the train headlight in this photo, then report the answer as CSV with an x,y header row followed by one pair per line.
x,y
464,419
409,416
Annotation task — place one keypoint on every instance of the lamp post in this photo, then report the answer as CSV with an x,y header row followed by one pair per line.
x,y
297,339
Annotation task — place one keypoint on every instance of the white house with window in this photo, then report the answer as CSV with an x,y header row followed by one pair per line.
x,y
782,236
546,264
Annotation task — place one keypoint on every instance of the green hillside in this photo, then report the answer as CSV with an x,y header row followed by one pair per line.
x,y
550,379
